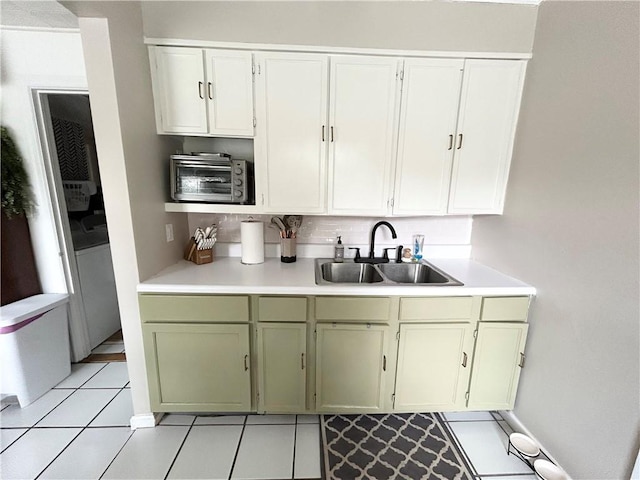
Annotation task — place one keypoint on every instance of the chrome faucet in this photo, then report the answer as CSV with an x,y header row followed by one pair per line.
x,y
385,258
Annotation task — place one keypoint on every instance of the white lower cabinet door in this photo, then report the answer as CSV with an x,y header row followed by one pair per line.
x,y
198,368
434,361
351,366
498,359
282,367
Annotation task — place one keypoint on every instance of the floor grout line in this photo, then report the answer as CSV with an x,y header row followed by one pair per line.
x,y
458,444
180,447
295,439
235,457
118,453
60,453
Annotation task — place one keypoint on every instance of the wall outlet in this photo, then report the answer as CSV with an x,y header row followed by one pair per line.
x,y
169,231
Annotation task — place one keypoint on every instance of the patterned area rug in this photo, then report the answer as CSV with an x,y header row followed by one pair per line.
x,y
396,446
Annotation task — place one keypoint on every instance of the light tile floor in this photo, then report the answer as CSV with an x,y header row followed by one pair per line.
x,y
81,430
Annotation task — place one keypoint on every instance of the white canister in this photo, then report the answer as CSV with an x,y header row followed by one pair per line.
x,y
252,241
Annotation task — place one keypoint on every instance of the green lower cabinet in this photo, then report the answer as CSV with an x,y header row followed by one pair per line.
x,y
282,367
198,368
434,361
497,362
351,367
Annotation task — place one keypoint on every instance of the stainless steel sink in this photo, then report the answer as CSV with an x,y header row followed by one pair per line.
x,y
349,273
412,273
330,272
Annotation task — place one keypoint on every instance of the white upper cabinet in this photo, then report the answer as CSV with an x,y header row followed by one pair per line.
x,y
362,119
178,89
429,111
229,92
204,92
489,106
292,131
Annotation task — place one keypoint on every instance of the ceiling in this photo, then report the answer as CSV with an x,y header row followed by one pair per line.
x,y
42,14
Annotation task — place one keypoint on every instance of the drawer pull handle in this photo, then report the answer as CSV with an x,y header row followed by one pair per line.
x,y
450,142
200,85
302,361
246,366
464,359
210,90
332,134
384,363
459,141
323,133
521,363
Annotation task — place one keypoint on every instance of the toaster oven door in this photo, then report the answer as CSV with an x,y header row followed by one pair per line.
x,y
195,181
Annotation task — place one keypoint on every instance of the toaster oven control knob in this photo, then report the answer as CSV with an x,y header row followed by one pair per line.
x,y
238,170
237,182
238,193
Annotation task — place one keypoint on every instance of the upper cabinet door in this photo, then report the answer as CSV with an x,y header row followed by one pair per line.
x,y
178,89
430,96
362,119
229,92
489,106
292,131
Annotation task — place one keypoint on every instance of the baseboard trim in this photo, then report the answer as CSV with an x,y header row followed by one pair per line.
x,y
518,426
145,420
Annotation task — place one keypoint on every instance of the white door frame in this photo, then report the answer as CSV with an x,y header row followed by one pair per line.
x,y
78,328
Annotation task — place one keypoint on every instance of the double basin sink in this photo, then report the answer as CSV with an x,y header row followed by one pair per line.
x,y
425,274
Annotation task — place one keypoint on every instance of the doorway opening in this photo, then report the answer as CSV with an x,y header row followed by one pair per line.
x,y
73,174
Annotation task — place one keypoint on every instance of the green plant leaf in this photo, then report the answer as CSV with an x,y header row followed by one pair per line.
x,y
17,198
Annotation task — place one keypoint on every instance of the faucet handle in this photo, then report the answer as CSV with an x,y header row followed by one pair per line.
x,y
385,254
357,249
399,253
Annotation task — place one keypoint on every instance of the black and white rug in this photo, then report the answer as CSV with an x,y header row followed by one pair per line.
x,y
395,446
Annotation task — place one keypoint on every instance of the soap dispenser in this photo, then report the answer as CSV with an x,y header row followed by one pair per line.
x,y
339,251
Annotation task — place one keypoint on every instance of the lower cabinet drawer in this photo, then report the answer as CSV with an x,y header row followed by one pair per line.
x,y
495,309
436,308
282,309
194,308
366,309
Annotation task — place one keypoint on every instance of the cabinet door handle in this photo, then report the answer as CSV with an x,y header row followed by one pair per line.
x,y
384,363
459,141
210,90
450,142
464,359
521,363
323,133
302,361
200,85
332,134
246,366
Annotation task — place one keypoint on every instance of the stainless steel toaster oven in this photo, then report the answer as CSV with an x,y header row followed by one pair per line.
x,y
210,177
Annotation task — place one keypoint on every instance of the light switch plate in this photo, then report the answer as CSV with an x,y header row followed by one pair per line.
x,y
169,231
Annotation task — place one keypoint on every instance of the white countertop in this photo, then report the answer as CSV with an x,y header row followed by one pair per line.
x,y
228,275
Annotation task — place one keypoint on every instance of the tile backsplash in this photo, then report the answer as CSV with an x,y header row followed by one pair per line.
x,y
323,230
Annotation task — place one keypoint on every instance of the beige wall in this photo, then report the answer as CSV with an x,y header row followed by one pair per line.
x,y
462,26
133,167
570,228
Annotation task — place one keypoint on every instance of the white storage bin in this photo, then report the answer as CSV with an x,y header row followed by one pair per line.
x,y
34,346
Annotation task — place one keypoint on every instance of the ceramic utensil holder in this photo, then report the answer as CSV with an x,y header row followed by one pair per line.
x,y
287,250
199,257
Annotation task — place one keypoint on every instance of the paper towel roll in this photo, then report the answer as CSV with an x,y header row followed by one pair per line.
x,y
252,241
